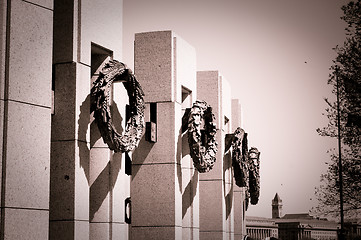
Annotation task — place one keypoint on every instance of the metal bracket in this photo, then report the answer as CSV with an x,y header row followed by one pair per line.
x,y
185,120
151,127
228,141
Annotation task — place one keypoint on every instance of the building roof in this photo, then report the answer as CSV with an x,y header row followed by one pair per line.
x,y
298,216
277,198
252,221
306,220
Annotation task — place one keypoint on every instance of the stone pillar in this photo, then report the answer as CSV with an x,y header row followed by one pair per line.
x,y
109,180
190,186
239,212
236,115
88,184
25,112
69,189
119,175
164,184
216,187
186,77
239,193
229,191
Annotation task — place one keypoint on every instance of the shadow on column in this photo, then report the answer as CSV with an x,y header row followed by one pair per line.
x,y
229,197
141,153
189,193
107,178
83,123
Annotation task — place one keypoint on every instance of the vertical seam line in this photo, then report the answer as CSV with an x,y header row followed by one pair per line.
x,y
5,116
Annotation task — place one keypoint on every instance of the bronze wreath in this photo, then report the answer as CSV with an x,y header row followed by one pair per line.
x,y
240,160
100,104
254,176
203,157
240,157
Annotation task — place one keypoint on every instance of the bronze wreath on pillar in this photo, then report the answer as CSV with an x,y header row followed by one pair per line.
x,y
240,157
240,160
100,104
254,177
203,152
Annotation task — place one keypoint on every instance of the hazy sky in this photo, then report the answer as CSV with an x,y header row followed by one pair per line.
x,y
276,56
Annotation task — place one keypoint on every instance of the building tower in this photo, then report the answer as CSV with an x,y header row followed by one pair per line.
x,y
276,207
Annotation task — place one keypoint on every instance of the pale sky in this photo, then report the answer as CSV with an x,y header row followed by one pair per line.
x,y
276,56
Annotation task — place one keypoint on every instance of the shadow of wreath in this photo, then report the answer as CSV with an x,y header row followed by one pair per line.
x,y
105,181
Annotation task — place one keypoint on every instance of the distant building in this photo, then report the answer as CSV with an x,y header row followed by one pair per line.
x,y
261,228
302,225
299,226
276,207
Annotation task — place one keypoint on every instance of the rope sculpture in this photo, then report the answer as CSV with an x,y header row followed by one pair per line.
x,y
100,104
254,177
240,161
203,157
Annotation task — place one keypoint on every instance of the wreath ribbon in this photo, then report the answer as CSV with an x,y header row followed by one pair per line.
x,y
100,104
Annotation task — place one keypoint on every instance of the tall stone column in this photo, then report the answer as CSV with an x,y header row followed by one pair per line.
x,y
216,186
88,181
109,178
69,189
239,212
25,115
239,192
163,187
190,183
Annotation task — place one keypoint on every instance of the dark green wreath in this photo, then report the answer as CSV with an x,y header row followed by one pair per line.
x,y
254,176
240,160
100,104
203,157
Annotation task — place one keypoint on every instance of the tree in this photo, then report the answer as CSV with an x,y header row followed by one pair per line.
x,y
346,72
